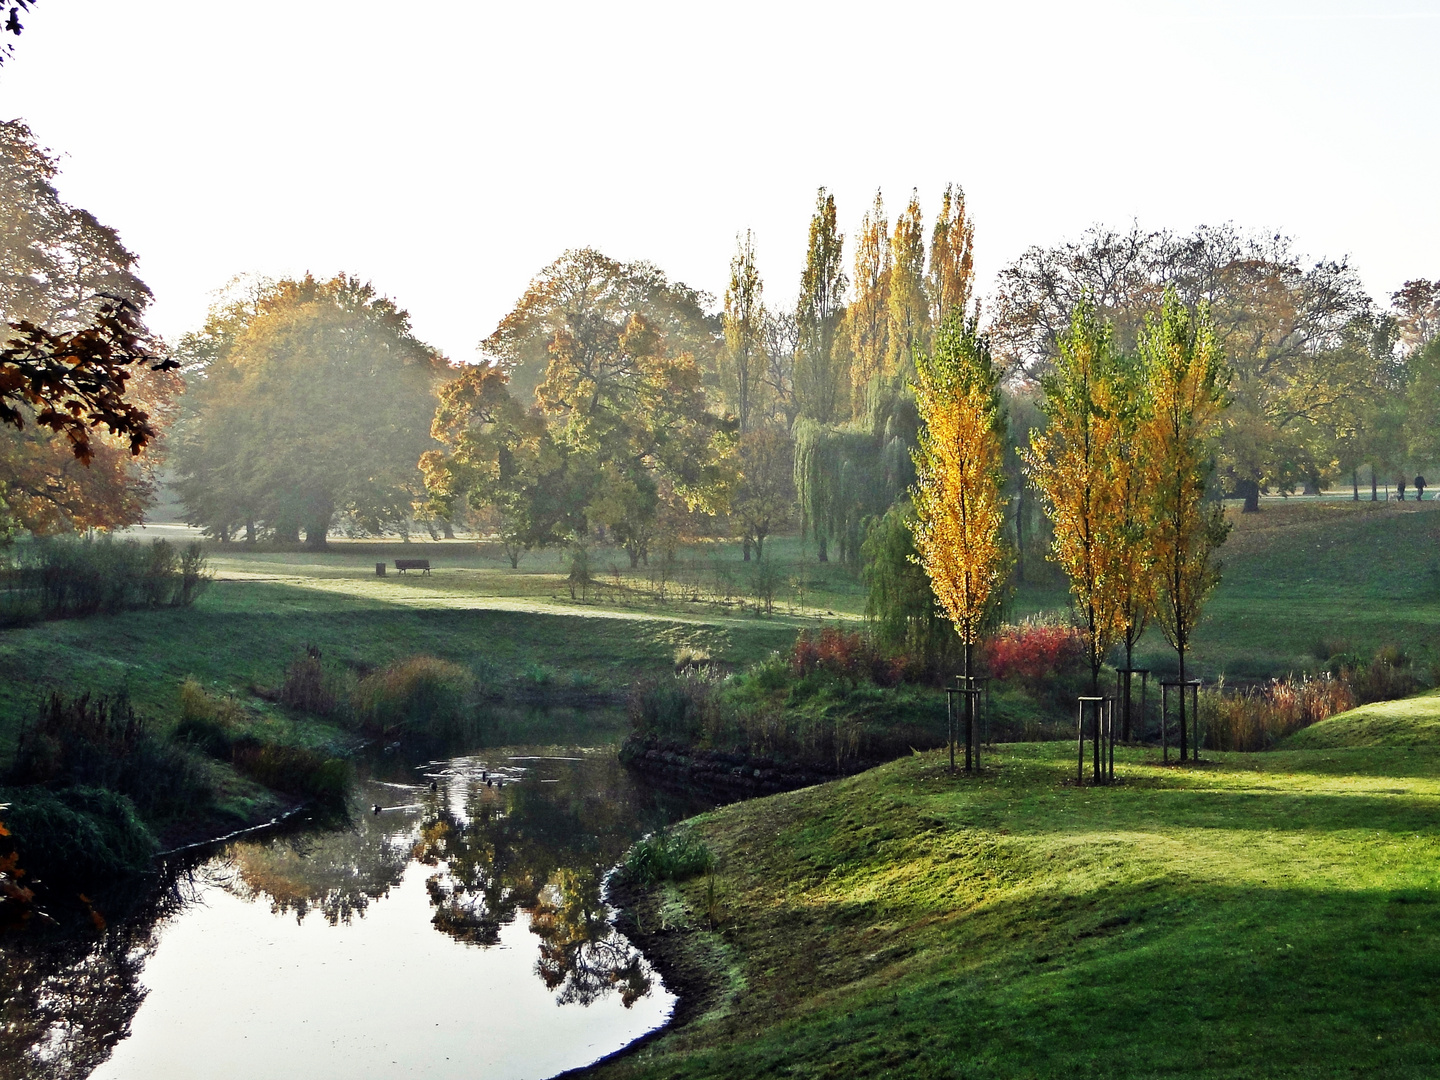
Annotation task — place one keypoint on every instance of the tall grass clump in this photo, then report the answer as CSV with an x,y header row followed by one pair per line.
x,y
667,856
420,693
80,576
102,742
1259,717
310,688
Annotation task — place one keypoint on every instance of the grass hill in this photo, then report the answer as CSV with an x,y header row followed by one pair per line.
x,y
1257,915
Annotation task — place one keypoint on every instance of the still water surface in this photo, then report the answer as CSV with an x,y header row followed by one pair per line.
x,y
460,932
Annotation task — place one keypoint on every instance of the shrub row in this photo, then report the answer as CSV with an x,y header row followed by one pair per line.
x,y
71,577
101,742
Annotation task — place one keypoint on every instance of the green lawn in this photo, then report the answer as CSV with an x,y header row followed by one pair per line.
x,y
1272,915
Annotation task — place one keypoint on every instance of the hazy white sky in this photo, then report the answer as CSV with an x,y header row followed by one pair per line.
x,y
447,150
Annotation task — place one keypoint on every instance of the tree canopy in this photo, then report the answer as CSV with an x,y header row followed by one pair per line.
x,y
84,389
307,400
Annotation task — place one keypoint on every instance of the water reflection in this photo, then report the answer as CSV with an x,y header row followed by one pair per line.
x,y
475,842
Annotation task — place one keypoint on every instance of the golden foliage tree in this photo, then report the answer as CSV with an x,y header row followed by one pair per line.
x,y
952,257
909,310
1077,464
869,315
959,490
1185,371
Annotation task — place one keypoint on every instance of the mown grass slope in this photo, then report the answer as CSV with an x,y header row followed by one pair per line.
x,y
1256,915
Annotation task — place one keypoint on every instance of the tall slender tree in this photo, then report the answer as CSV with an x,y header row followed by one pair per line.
x,y
868,316
1133,554
909,309
959,489
1075,464
744,307
952,257
821,378
1188,380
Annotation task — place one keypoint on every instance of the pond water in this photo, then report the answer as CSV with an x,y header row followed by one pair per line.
x,y
459,931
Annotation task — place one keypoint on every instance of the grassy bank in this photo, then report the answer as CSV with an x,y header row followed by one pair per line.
x,y
1268,915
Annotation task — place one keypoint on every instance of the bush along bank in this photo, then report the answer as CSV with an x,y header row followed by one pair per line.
x,y
94,791
836,704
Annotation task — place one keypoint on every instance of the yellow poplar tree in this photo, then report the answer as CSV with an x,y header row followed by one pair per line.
x,y
1075,464
952,257
909,310
959,489
869,314
1134,554
1187,379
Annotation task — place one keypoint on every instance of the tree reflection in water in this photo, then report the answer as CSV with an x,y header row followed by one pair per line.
x,y
541,845
543,848
69,997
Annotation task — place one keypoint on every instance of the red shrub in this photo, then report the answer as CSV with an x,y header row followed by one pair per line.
x,y
850,655
1031,652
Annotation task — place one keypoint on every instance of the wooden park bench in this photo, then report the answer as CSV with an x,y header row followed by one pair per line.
x,y
423,565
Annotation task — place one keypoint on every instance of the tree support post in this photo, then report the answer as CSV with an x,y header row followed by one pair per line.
x,y
1096,709
1193,687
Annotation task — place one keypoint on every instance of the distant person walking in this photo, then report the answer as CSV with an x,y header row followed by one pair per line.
x,y
1419,488
1400,488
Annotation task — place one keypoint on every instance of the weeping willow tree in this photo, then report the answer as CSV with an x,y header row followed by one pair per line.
x,y
846,474
959,492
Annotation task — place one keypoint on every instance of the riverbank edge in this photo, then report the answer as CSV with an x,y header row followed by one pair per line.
x,y
728,775
678,954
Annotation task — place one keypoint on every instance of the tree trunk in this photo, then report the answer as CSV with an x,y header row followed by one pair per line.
x,y
1020,532
250,531
745,546
446,530
759,547
969,706
1129,666
1355,482
820,543
1250,491
1183,742
315,534
1374,487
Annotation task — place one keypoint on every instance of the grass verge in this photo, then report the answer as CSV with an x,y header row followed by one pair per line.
x,y
1271,914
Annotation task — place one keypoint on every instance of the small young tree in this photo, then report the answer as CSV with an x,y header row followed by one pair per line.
x,y
1075,464
959,490
1187,379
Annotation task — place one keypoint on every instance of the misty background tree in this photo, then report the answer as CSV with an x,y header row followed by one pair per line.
x,y
307,401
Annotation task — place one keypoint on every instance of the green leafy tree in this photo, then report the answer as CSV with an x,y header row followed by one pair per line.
x,y
899,603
